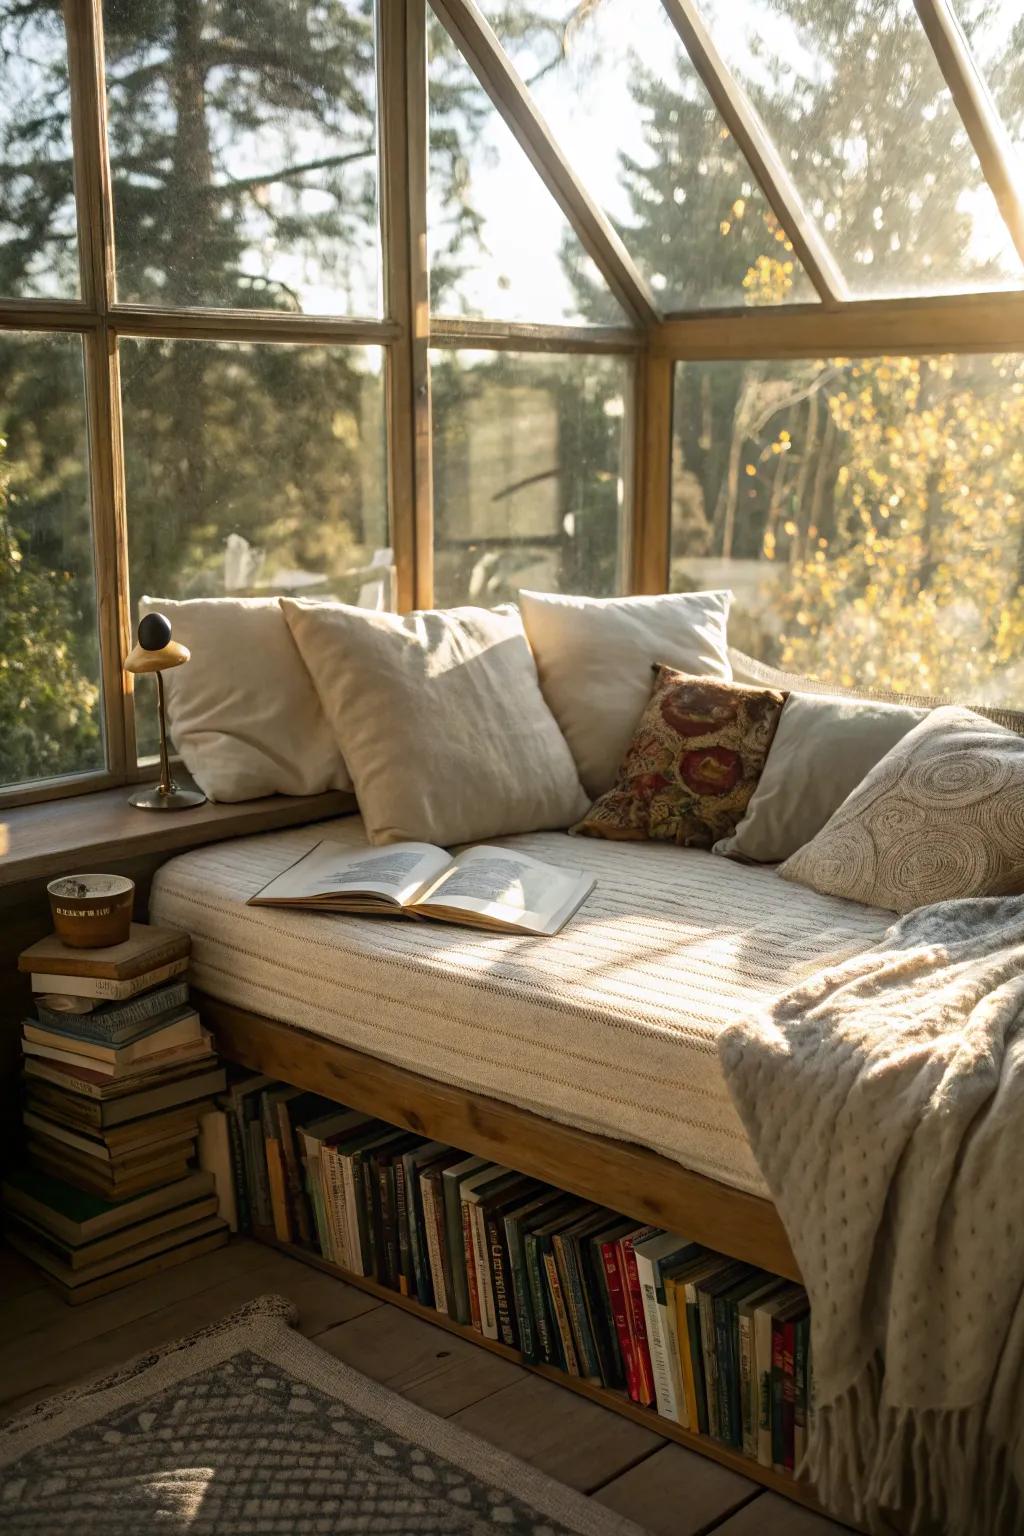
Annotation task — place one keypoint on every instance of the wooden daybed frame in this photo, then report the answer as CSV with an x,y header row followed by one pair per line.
x,y
620,1174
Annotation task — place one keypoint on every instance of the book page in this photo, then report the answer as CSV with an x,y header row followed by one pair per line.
x,y
395,874
509,887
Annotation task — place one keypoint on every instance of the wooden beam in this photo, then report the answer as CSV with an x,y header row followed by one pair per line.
x,y
895,327
764,160
985,127
627,1177
249,325
47,315
652,510
474,38
520,336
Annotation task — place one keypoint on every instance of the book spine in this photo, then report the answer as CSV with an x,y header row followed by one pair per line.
x,y
803,1329
458,1301
467,1248
262,1214
788,1395
296,1195
425,1278
567,1255
686,1360
309,1151
670,1329
706,1313
520,1290
664,1394
501,1281
778,1432
103,987
763,1368
366,1192
413,1207
481,1264
598,1314
748,1384
727,1384
637,1325
620,1316
276,1174
547,1349
239,1173
110,1025
696,1343
406,1279
353,1226
429,1194
327,1159
560,1314
388,1224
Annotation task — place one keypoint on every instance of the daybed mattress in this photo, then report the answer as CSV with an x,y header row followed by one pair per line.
x,y
609,1026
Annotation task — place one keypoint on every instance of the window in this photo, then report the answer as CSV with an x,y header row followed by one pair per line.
x,y
528,475
868,515
366,302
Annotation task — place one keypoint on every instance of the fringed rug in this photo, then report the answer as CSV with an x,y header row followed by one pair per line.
x,y
248,1429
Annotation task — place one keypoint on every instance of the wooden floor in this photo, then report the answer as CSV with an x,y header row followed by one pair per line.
x,y
665,1489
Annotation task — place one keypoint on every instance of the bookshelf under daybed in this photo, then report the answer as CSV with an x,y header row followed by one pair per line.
x,y
622,1176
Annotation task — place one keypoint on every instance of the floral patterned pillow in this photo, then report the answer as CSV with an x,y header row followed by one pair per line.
x,y
693,763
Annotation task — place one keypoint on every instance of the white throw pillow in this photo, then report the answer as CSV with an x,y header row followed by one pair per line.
x,y
441,721
243,712
822,749
594,657
940,817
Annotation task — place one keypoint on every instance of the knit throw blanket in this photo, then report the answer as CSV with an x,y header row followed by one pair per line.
x,y
884,1100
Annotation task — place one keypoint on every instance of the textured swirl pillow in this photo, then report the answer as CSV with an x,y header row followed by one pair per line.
x,y
441,721
822,749
693,764
243,713
594,656
941,816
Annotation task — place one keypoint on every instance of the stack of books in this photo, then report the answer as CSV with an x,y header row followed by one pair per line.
x,y
118,1073
719,1347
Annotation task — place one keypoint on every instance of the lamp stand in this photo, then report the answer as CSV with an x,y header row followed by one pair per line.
x,y
165,796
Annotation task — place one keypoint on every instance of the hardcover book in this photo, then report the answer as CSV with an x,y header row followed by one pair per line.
x,y
147,949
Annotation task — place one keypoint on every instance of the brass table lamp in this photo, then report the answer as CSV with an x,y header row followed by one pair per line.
x,y
156,652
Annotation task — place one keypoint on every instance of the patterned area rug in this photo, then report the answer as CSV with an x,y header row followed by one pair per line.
x,y
249,1428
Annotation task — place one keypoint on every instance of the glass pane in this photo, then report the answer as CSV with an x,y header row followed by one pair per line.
x,y
38,242
254,469
243,152
626,105
868,515
995,32
528,476
49,647
853,97
500,247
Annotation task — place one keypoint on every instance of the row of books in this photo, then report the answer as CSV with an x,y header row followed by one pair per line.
x,y
718,1346
118,1074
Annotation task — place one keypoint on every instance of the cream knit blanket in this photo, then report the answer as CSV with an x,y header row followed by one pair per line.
x,y
884,1100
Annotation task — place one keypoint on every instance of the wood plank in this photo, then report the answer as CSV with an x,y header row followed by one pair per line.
x,y
421,1361
470,31
627,1177
677,1493
250,325
985,128
769,1515
575,1441
866,328
521,336
767,165
40,841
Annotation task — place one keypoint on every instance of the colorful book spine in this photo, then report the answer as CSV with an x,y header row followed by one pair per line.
x,y
275,1173
706,1315
763,1367
788,1394
560,1314
501,1281
470,1261
670,1327
664,1387
406,1278
527,1339
611,1260
482,1270
572,1295
428,1190
635,1313
778,1431
115,1023
547,1347
801,1362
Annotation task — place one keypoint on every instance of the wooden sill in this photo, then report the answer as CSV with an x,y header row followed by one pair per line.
x,y
85,832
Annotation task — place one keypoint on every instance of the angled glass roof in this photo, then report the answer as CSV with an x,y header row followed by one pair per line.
x,y
854,99
500,246
626,106
995,32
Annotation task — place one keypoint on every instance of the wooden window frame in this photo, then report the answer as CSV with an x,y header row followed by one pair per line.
x,y
838,325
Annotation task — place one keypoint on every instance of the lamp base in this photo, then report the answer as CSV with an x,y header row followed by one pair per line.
x,y
172,799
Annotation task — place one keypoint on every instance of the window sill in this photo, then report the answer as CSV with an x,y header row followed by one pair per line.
x,y
38,842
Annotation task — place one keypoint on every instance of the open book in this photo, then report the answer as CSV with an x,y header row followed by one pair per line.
x,y
497,888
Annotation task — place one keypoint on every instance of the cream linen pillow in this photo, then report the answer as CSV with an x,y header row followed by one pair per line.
x,y
941,816
594,657
822,749
441,721
243,713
